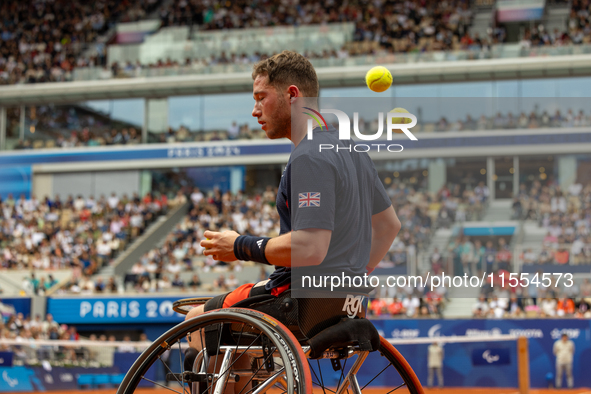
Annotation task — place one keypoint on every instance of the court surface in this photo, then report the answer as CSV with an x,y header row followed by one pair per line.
x,y
449,390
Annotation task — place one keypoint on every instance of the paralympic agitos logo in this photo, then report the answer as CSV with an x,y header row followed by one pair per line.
x,y
345,129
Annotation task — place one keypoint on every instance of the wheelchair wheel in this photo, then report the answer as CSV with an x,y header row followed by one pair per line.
x,y
275,358
385,370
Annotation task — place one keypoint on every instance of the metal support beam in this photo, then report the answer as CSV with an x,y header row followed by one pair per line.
x,y
21,128
515,176
2,128
145,124
490,176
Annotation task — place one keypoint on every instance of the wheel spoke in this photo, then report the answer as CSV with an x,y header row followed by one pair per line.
x,y
255,372
235,353
321,378
244,352
169,370
215,367
158,384
321,384
181,364
396,388
343,366
375,377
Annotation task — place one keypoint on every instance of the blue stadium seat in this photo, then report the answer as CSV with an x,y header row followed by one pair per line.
x,y
86,380
102,379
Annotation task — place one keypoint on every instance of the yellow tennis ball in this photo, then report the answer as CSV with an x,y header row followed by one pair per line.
x,y
378,79
399,120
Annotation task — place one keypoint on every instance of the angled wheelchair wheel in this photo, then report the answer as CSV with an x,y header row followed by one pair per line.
x,y
383,371
242,347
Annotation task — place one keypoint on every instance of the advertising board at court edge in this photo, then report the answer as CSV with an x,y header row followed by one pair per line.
x,y
344,123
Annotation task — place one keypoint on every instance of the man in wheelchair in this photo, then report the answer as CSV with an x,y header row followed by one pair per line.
x,y
335,214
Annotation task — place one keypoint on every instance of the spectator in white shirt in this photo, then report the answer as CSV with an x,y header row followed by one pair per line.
x,y
549,307
79,203
174,267
233,131
196,196
116,226
411,304
480,308
113,201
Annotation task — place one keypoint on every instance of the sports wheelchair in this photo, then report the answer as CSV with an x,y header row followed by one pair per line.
x,y
293,345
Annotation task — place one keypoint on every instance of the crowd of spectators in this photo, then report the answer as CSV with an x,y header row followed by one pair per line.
x,y
36,284
162,268
535,120
378,20
419,212
46,41
565,215
409,301
577,30
79,233
466,255
534,301
169,266
69,127
26,330
43,41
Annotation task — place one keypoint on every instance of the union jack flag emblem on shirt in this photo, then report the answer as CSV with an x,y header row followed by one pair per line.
x,y
308,200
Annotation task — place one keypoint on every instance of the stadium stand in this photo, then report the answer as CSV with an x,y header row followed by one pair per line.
x,y
411,27
76,235
178,266
45,41
564,215
54,250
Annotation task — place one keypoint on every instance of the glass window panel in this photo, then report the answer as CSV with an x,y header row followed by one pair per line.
x,y
186,111
538,88
221,110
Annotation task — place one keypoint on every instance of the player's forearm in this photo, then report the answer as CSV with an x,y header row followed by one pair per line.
x,y
278,251
379,247
384,229
305,247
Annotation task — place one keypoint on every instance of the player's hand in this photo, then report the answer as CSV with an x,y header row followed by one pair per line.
x,y
220,245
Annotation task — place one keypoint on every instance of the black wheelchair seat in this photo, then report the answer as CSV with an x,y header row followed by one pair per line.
x,y
360,333
321,323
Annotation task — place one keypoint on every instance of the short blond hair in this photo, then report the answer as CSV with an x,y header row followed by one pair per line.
x,y
289,68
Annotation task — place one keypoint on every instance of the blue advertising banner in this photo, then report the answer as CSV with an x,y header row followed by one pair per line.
x,y
460,368
113,310
20,304
6,359
491,356
159,151
244,148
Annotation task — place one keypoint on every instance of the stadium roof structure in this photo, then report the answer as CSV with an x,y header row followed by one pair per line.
x,y
408,73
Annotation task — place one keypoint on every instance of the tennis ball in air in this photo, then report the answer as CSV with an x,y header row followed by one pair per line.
x,y
378,79
399,120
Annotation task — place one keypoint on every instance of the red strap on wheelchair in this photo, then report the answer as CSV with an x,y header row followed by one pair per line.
x,y
278,290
